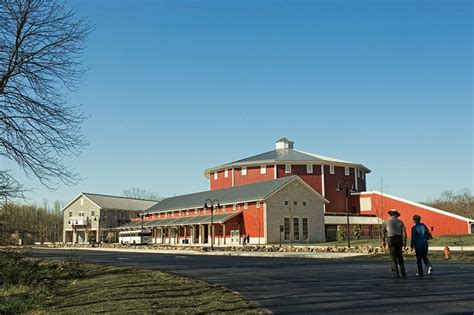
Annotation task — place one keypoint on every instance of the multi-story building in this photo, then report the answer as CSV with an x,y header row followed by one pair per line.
x,y
283,195
89,218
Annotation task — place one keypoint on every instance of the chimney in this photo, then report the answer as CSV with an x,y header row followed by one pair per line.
x,y
284,143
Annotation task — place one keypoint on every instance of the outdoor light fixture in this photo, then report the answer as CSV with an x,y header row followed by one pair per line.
x,y
346,184
212,204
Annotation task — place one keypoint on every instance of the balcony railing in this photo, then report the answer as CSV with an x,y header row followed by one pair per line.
x,y
78,221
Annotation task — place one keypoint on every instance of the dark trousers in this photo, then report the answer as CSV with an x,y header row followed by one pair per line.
x,y
421,256
395,248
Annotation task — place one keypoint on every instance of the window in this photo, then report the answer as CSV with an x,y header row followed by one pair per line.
x,y
244,171
258,204
246,205
81,214
226,173
287,168
346,171
296,229
331,169
215,175
309,168
363,175
304,203
263,169
286,202
295,203
82,201
196,211
172,214
92,213
305,229
234,206
223,208
70,213
358,172
287,228
187,212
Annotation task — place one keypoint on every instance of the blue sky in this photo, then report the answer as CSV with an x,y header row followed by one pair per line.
x,y
175,87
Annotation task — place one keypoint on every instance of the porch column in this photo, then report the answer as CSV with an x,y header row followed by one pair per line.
x,y
185,234
200,234
223,233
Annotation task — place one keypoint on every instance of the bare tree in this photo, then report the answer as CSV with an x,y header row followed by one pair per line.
x,y
41,44
139,193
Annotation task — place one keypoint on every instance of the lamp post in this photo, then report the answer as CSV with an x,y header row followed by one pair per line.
x,y
346,188
212,204
141,231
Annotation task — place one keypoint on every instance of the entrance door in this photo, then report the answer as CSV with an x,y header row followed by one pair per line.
x,y
234,236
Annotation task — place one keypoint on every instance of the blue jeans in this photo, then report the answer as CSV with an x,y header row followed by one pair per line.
x,y
421,256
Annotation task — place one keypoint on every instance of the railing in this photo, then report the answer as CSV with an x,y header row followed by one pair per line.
x,y
78,221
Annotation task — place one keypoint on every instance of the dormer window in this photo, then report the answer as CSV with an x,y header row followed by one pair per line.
x,y
309,168
263,169
288,168
244,170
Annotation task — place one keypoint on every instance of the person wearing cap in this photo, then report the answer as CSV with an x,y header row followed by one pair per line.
x,y
395,236
419,241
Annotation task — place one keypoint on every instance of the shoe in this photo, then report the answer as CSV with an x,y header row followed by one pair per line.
x,y
430,271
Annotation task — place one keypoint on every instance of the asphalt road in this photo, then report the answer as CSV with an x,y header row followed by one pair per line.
x,y
294,285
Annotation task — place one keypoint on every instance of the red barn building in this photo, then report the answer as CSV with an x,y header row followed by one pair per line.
x,y
289,195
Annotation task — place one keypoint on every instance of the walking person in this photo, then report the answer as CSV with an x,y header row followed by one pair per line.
x,y
395,236
419,241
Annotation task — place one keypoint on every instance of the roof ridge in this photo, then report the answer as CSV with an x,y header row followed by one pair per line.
x,y
122,197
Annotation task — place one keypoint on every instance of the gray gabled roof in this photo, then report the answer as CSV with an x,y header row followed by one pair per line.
x,y
250,192
119,203
281,156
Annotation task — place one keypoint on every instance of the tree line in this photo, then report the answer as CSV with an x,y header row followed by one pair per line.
x,y
30,223
461,203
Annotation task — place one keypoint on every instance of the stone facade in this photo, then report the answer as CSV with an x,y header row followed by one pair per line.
x,y
282,205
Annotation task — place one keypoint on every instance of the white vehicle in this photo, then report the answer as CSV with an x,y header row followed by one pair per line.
x,y
134,237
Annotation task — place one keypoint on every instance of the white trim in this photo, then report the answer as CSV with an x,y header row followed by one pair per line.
x,y
243,171
304,184
263,169
287,168
226,173
74,200
342,219
233,180
275,175
215,175
309,168
265,222
322,180
332,169
356,171
416,204
347,171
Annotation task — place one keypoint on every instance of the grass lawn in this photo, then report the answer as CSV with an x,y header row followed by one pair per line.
x,y
123,290
71,286
441,240
455,257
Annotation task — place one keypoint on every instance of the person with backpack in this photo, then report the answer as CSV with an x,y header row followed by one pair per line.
x,y
419,241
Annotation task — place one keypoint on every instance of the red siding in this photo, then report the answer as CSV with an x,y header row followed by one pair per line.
x,y
438,223
253,175
253,222
221,181
313,179
337,198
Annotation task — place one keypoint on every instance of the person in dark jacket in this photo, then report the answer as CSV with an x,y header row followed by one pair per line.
x,y
394,233
419,241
